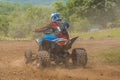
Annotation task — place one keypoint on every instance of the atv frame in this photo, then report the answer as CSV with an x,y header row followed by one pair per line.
x,y
51,51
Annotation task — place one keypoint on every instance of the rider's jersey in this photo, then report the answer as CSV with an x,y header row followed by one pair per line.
x,y
59,29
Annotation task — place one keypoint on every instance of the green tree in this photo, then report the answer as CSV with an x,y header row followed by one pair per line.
x,y
96,11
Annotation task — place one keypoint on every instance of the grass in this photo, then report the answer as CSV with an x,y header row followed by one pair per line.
x,y
8,38
108,56
113,33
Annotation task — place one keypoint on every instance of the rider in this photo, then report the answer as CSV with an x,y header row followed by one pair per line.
x,y
55,29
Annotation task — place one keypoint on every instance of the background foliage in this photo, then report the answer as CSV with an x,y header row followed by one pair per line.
x,y
19,20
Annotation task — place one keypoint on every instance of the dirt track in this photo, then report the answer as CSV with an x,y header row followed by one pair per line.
x,y
12,65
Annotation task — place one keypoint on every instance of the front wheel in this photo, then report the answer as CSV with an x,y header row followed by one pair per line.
x,y
28,56
79,57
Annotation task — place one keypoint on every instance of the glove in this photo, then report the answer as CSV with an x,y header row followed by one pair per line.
x,y
66,24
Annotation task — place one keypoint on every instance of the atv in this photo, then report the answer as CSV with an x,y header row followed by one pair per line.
x,y
56,51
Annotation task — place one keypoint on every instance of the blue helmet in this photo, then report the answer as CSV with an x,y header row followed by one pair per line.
x,y
55,16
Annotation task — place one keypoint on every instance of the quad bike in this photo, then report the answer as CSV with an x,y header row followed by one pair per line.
x,y
57,52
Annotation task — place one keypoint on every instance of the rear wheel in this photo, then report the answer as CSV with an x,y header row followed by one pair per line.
x,y
79,57
43,59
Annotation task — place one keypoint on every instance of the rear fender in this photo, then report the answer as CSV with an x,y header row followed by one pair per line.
x,y
70,42
47,44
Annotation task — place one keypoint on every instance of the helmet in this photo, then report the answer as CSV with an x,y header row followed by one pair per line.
x,y
55,16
